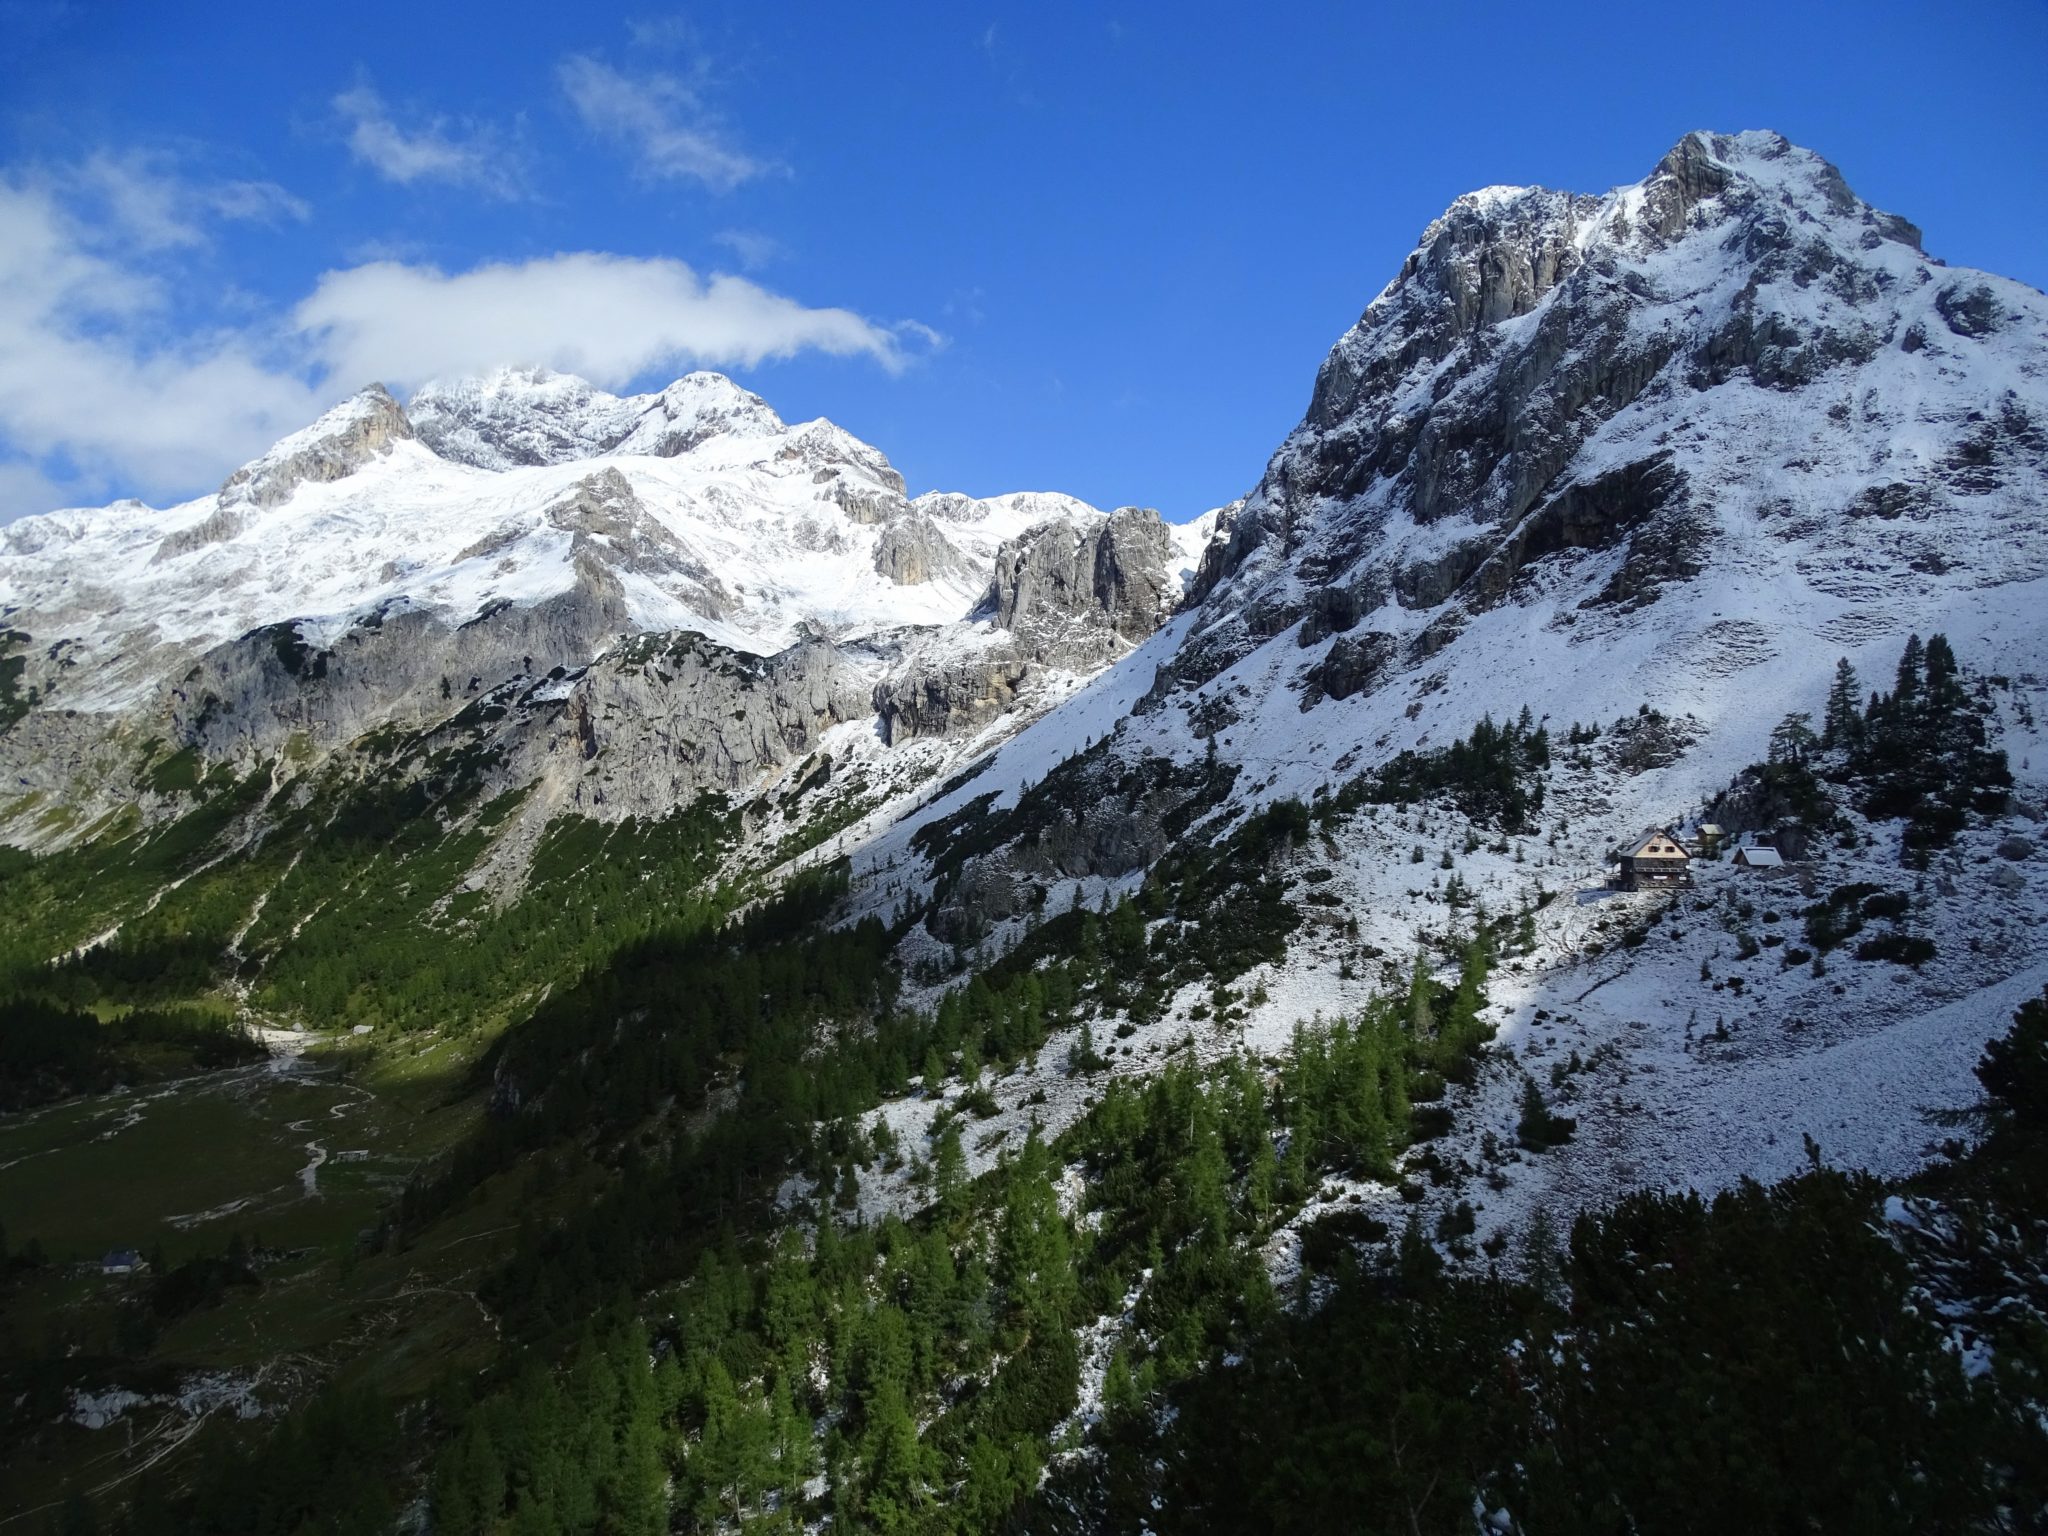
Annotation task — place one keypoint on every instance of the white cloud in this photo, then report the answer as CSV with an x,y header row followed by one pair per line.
x,y
661,119
753,249
86,378
105,386
428,151
608,318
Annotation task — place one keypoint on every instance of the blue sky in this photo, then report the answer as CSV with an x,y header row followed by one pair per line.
x,y
1098,249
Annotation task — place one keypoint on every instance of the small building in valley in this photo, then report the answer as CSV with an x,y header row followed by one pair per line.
x,y
1652,860
122,1261
1759,858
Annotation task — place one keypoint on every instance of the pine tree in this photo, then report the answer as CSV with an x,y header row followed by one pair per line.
x,y
1842,725
729,1462
1792,740
796,1452
1421,1009
1083,1059
1034,1255
1540,1130
1906,691
1942,685
1540,1264
1463,1032
949,1170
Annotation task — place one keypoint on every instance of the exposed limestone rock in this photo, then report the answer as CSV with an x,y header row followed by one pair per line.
x,y
662,718
613,528
949,698
913,550
249,697
336,445
1070,593
1115,571
1970,309
1354,664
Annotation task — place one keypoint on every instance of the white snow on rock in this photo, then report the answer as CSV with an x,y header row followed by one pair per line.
x,y
711,514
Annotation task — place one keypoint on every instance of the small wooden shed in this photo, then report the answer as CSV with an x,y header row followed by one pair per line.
x,y
1759,858
1654,859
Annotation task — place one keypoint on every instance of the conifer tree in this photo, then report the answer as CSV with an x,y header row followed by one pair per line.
x,y
1906,689
1842,724
949,1170
1034,1255
1420,1010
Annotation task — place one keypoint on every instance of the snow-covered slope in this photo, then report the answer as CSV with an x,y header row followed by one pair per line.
x,y
1678,447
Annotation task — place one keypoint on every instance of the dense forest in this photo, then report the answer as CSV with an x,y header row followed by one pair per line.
x,y
691,1353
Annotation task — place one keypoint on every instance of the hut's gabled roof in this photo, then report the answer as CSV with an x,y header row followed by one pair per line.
x,y
1655,843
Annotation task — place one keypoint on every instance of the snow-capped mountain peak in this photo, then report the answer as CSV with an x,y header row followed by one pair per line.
x,y
528,416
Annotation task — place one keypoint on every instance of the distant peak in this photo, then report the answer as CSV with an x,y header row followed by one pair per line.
x,y
694,409
340,442
525,415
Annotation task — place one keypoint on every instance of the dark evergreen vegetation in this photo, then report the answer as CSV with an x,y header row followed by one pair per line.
x,y
49,1051
1920,754
1679,1365
709,1338
1493,777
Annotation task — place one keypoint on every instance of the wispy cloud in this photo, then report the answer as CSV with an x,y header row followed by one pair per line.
x,y
661,119
428,150
153,202
660,34
752,249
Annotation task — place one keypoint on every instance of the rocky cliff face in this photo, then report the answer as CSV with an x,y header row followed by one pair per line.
x,y
1112,571
1634,385
1066,597
335,446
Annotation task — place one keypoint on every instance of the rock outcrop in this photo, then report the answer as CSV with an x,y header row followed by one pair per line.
x,y
1068,595
913,550
1113,572
337,445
